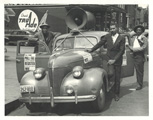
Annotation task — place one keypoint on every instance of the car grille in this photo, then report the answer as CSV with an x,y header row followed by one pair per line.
x,y
56,77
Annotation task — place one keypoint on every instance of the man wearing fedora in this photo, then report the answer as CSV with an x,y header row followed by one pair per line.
x,y
45,35
138,47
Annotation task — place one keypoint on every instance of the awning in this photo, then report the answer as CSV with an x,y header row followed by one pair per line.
x,y
8,12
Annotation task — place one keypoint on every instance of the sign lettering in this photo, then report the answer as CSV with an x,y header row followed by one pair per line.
x,y
28,20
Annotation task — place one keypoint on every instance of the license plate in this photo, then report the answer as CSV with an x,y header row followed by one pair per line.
x,y
26,88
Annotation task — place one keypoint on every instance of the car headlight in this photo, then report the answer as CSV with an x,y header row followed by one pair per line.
x,y
39,73
77,72
69,89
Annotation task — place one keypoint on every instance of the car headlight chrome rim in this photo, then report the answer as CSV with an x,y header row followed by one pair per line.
x,y
77,72
39,73
69,89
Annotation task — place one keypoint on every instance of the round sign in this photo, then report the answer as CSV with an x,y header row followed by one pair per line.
x,y
28,20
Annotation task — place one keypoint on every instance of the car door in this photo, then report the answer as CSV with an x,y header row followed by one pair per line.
x,y
128,64
28,60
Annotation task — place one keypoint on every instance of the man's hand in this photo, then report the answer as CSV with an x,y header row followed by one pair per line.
x,y
110,62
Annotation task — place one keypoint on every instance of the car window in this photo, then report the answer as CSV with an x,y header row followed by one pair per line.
x,y
88,42
67,43
76,42
27,49
30,48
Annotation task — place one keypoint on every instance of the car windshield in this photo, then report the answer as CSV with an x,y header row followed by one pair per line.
x,y
76,42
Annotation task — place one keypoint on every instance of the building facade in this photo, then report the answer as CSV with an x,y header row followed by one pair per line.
x,y
136,16
126,16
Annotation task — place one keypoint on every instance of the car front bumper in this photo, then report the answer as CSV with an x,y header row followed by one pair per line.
x,y
59,99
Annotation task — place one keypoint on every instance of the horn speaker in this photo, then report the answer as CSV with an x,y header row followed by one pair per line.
x,y
78,18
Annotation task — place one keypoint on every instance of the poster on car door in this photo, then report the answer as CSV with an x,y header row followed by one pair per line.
x,y
29,62
124,61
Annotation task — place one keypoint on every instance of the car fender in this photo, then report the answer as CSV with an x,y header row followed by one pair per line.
x,y
90,83
40,86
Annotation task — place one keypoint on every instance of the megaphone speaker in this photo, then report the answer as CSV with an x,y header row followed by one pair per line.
x,y
78,18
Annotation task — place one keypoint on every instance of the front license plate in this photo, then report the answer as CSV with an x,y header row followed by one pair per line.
x,y
27,88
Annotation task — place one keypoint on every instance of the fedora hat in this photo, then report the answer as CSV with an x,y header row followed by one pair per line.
x,y
139,26
44,24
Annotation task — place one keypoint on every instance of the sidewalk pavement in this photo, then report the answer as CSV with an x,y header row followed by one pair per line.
x,y
12,89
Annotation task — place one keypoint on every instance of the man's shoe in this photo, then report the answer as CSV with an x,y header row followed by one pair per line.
x,y
116,98
139,88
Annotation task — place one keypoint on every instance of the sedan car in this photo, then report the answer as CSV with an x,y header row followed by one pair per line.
x,y
17,35
67,75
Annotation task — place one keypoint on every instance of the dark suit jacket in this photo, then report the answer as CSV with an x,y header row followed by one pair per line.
x,y
114,51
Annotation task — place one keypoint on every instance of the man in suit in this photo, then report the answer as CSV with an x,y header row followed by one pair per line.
x,y
115,50
45,35
138,47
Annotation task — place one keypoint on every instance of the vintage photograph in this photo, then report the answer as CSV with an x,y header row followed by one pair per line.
x,y
76,59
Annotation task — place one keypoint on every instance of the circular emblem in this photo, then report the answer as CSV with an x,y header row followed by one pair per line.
x,y
28,20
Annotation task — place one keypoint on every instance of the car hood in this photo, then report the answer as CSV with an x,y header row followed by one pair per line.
x,y
69,58
61,64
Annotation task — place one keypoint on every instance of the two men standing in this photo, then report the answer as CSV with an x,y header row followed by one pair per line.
x,y
115,50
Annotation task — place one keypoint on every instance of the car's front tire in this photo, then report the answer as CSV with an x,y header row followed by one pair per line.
x,y
99,103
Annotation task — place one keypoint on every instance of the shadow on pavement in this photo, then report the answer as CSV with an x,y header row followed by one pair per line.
x,y
126,89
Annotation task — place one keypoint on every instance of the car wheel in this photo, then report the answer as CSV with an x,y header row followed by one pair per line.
x,y
34,107
99,103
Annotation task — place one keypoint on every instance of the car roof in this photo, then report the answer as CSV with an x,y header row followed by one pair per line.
x,y
98,34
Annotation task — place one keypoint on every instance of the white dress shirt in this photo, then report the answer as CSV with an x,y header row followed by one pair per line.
x,y
136,43
114,37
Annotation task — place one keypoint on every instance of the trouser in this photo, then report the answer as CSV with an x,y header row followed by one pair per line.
x,y
139,66
114,72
